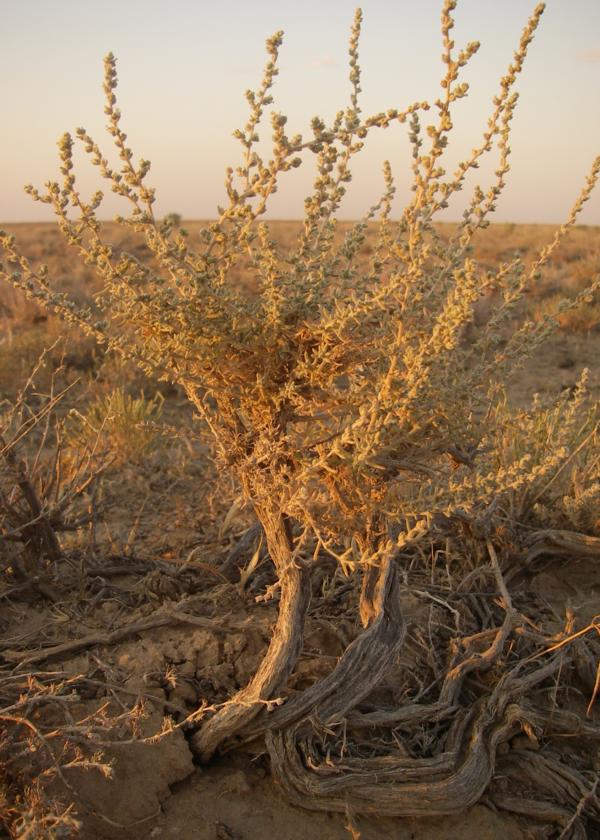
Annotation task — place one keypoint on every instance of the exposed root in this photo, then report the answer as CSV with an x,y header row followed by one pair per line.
x,y
362,666
568,794
445,784
100,638
340,744
562,543
320,760
273,673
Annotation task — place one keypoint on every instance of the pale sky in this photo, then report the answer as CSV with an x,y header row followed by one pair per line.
x,y
184,66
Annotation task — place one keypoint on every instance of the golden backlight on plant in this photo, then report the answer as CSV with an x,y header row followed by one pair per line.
x,y
368,429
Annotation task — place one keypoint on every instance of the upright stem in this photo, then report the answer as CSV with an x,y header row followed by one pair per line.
x,y
284,648
358,671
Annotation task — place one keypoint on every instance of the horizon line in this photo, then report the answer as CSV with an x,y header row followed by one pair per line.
x,y
299,220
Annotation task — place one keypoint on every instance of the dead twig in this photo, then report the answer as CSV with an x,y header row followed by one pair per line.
x,y
99,638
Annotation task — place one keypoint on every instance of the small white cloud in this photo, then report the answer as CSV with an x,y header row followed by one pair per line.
x,y
326,60
589,55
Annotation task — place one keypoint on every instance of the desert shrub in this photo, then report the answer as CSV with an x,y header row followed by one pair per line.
x,y
360,424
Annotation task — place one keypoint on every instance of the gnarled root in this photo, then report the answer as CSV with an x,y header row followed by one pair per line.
x,y
320,774
358,671
569,793
562,543
281,656
338,745
397,785
445,784
273,672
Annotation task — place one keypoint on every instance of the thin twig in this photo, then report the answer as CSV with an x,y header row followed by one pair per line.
x,y
100,638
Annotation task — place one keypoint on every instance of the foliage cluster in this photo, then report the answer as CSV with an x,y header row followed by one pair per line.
x,y
333,394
